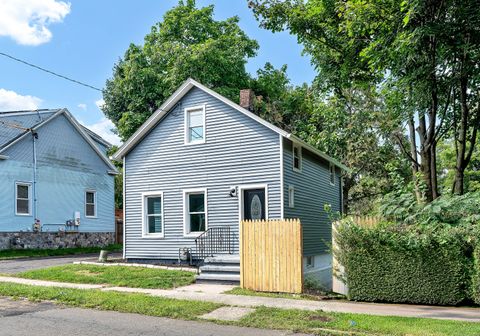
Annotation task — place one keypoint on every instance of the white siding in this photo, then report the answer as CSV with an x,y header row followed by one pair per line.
x,y
237,151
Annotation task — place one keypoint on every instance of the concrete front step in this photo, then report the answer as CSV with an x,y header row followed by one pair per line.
x,y
220,268
227,277
223,259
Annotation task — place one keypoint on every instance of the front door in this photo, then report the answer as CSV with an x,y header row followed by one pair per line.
x,y
254,204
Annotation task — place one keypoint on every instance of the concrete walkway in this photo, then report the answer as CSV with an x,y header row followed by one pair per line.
x,y
214,293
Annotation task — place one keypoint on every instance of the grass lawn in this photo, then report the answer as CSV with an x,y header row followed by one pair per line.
x,y
139,277
326,323
269,318
27,253
122,302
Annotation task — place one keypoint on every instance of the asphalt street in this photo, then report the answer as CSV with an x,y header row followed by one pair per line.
x,y
18,265
21,318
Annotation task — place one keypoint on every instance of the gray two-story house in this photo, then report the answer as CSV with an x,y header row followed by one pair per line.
x,y
202,162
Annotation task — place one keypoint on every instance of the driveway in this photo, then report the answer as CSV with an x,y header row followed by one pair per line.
x,y
20,318
12,266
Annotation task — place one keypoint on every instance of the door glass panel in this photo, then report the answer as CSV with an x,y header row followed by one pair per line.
x,y
256,207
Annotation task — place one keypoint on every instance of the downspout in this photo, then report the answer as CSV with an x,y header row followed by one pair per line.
x,y
34,186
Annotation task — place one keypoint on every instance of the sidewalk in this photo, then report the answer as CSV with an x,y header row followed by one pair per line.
x,y
214,293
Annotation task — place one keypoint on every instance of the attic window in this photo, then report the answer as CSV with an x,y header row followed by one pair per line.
x,y
195,125
297,157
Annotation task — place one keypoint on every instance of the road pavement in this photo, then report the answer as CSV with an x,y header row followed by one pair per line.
x,y
12,266
20,318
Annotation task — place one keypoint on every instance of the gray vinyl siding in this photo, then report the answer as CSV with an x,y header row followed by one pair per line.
x,y
238,151
312,191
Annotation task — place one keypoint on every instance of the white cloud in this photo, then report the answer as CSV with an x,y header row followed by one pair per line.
x,y
82,106
100,103
12,101
26,21
104,129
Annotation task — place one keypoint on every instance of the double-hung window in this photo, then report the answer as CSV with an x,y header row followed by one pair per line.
x,y
332,174
291,196
195,125
91,203
23,195
297,157
195,211
153,214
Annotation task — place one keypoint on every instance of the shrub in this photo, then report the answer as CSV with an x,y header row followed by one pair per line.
x,y
406,264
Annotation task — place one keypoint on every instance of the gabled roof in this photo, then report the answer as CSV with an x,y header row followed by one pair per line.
x,y
97,137
182,91
15,125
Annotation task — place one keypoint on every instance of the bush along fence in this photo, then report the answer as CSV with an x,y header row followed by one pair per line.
x,y
407,264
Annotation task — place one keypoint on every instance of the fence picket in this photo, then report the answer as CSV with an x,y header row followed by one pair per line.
x,y
271,255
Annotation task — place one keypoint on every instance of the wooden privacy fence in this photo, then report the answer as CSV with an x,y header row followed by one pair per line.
x,y
271,257
366,221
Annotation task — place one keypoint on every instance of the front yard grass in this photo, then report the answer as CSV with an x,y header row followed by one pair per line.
x,y
123,276
318,323
322,323
29,253
108,300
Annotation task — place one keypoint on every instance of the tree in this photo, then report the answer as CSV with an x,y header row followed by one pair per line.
x,y
343,126
424,52
189,42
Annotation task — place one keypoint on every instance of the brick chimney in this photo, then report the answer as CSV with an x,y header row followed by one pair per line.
x,y
246,99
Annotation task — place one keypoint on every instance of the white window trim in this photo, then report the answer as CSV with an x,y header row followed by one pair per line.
x,y
186,218
95,202
330,173
291,196
241,188
312,264
29,184
185,130
300,157
145,233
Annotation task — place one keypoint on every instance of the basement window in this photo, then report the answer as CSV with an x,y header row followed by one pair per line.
x,y
297,157
310,262
91,203
23,199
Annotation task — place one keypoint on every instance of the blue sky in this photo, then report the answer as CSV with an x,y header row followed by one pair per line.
x,y
83,39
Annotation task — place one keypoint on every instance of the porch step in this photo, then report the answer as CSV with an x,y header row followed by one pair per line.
x,y
219,277
220,268
223,259
209,268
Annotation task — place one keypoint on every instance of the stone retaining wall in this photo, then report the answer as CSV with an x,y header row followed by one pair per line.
x,y
53,240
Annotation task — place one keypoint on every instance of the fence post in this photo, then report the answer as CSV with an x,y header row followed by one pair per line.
x,y
338,271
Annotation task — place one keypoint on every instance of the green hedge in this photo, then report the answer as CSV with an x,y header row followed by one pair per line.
x,y
406,265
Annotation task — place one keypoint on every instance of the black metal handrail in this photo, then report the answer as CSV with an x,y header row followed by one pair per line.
x,y
216,240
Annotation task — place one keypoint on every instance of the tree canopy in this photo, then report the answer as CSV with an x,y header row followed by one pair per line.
x,y
188,42
420,56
